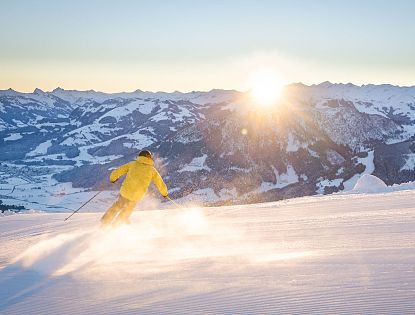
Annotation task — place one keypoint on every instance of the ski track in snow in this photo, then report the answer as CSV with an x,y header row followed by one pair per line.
x,y
338,254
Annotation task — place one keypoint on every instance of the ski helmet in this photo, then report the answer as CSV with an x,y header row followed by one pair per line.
x,y
145,153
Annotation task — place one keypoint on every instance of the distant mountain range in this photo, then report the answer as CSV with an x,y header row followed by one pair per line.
x,y
217,147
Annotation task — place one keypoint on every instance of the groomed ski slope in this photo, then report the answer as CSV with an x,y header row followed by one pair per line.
x,y
340,254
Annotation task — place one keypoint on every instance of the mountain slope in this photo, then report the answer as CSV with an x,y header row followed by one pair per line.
x,y
215,147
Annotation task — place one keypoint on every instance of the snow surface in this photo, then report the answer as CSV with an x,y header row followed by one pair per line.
x,y
409,162
369,169
338,254
203,195
13,137
284,179
370,184
293,145
136,105
197,164
41,149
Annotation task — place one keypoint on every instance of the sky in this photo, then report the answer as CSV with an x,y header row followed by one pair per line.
x,y
127,45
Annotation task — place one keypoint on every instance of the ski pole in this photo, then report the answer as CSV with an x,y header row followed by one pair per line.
x,y
83,205
174,202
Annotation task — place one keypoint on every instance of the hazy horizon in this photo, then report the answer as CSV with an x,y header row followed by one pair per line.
x,y
208,90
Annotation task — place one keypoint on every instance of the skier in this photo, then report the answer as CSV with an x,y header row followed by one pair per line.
x,y
140,173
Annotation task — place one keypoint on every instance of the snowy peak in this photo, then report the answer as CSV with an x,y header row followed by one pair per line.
x,y
38,91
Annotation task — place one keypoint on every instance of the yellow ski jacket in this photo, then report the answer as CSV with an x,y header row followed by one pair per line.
x,y
140,173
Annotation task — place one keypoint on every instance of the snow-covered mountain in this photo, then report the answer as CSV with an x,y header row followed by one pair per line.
x,y
216,147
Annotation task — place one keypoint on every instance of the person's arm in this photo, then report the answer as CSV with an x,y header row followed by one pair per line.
x,y
161,186
120,171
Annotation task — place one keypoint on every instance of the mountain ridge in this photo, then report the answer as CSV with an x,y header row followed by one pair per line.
x,y
217,146
321,84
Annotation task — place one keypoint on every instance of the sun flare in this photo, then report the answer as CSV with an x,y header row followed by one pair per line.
x,y
265,88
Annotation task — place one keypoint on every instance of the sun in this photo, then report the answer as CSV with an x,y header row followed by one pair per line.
x,y
265,88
